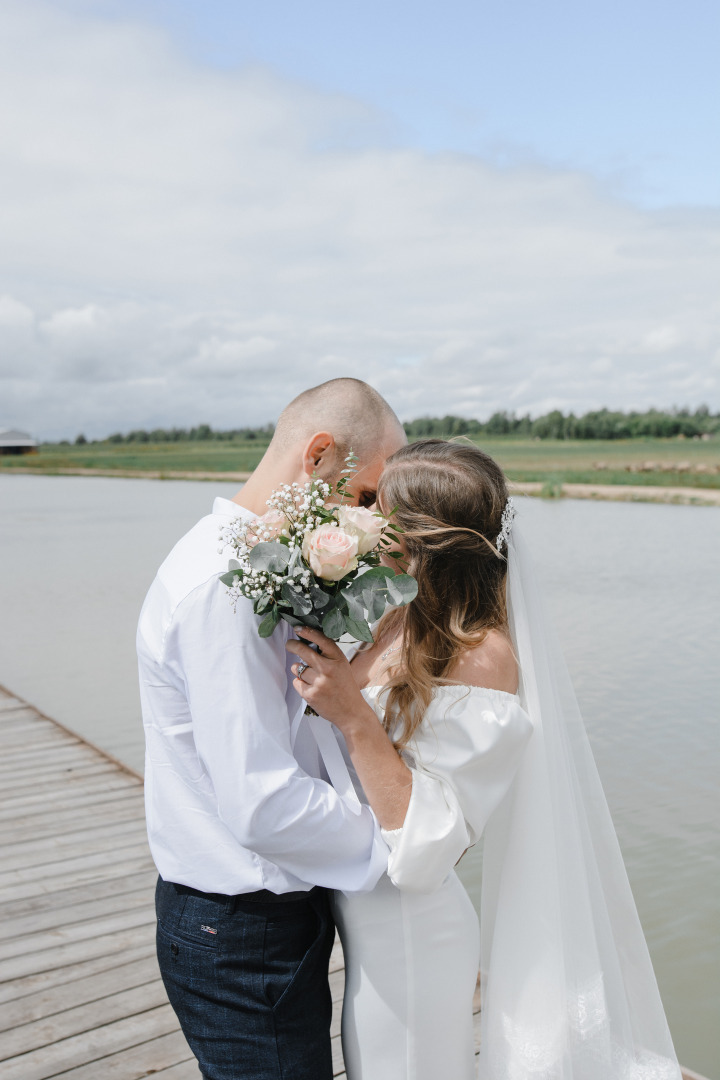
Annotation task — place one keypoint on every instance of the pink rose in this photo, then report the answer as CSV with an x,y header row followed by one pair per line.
x,y
331,552
267,527
363,523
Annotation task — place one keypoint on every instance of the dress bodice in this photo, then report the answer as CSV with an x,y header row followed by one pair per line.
x,y
463,758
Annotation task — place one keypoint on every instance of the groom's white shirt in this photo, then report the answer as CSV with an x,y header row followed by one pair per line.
x,y
232,806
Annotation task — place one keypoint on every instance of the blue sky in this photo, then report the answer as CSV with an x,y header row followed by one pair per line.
x,y
626,89
207,207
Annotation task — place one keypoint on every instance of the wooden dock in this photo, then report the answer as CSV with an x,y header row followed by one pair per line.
x,y
80,991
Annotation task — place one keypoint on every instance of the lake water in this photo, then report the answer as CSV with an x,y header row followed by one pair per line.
x,y
634,590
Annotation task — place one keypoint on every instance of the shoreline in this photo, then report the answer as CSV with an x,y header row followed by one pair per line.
x,y
673,496
655,493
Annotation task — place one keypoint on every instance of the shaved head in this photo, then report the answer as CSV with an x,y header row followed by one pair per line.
x,y
314,436
354,413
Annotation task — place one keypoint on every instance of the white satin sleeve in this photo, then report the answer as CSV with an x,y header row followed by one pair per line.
x,y
463,760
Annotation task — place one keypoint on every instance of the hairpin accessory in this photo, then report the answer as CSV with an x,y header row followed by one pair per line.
x,y
505,525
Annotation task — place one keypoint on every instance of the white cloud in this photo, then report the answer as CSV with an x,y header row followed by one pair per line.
x,y
186,245
14,315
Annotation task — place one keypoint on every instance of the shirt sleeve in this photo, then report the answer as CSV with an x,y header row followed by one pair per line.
x,y
463,762
236,684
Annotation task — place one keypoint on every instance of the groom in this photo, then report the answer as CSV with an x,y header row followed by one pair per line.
x,y
246,836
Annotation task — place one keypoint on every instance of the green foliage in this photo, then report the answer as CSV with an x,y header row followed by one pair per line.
x,y
601,424
201,433
271,557
552,488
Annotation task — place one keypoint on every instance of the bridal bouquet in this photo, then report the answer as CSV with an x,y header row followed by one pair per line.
x,y
314,561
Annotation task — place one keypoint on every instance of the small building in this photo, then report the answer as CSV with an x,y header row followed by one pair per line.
x,y
16,442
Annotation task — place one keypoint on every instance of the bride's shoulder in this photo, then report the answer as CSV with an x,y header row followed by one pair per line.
x,y
491,664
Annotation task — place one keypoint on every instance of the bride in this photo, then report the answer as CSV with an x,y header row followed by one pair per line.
x,y
460,721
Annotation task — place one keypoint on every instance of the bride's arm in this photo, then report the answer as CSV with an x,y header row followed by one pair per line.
x,y
328,686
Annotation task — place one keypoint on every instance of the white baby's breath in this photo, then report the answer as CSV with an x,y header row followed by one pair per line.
x,y
300,560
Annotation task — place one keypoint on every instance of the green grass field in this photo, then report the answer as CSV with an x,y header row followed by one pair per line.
x,y
666,462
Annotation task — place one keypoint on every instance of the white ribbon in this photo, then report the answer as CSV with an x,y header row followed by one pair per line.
x,y
331,755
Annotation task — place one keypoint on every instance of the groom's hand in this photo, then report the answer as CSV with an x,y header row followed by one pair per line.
x,y
325,681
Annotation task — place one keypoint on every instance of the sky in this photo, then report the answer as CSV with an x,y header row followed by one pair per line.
x,y
206,207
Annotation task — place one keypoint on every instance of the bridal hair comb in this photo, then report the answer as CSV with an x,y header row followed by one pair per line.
x,y
505,525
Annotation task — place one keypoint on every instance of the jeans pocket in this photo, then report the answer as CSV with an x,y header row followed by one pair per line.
x,y
292,949
192,918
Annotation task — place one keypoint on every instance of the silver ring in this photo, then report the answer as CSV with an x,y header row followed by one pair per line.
x,y
302,667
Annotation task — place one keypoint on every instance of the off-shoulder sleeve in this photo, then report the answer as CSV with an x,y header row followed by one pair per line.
x,y
463,761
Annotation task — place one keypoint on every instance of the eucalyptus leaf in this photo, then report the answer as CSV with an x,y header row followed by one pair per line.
x,y
374,578
263,603
375,603
406,585
269,556
377,573
269,623
318,596
230,578
299,602
305,620
359,629
333,625
394,594
355,607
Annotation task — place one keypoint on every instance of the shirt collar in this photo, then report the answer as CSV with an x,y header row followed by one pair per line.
x,y
228,508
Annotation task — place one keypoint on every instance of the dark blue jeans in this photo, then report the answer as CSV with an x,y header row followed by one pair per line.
x,y
248,978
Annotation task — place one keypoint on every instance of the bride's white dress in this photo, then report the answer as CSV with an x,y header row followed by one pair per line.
x,y
412,946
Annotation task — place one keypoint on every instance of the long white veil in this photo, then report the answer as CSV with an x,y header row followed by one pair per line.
x,y
568,990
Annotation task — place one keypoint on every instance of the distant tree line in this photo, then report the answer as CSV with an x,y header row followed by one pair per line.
x,y
600,424
201,433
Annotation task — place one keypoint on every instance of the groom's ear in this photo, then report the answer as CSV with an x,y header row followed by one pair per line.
x,y
319,455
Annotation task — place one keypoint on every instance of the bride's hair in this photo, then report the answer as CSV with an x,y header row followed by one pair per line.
x,y
449,500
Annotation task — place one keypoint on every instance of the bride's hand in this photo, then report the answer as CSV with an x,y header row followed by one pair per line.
x,y
326,683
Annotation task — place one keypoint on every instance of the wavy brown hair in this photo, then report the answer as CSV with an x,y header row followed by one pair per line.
x,y
449,500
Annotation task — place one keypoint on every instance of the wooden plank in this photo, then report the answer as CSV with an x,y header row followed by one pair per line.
x,y
10,710
109,786
336,956
70,822
64,869
38,756
58,957
35,761
186,1070
8,701
142,1060
20,735
82,991
21,713
93,868
53,850
63,1026
108,885
336,1018
83,969
131,1031
46,941
50,772
26,927
337,1057
58,780
337,984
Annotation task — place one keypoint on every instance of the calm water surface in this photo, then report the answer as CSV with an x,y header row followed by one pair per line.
x,y
635,593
